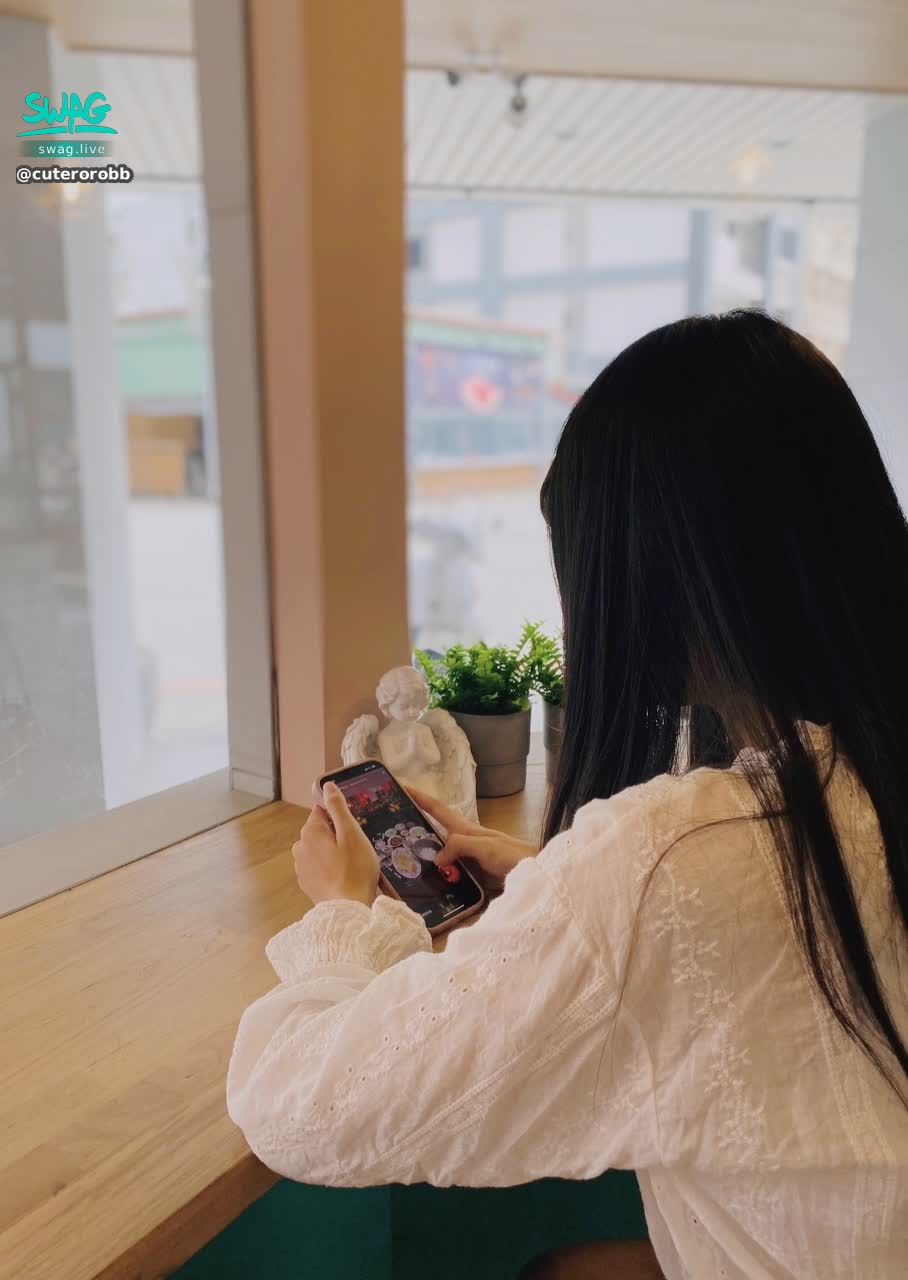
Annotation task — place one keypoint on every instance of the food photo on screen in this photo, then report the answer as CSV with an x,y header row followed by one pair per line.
x,y
407,847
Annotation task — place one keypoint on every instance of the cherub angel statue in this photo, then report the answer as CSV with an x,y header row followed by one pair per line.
x,y
426,749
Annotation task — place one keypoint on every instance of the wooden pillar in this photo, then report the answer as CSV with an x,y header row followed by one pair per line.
x,y
327,84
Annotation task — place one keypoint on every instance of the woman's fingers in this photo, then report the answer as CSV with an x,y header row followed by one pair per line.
x,y
317,818
495,852
480,848
338,810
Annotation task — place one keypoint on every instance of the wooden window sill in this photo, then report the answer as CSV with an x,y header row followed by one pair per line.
x,y
119,1000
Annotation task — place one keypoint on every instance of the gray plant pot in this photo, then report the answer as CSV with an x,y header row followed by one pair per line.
x,y
500,745
552,733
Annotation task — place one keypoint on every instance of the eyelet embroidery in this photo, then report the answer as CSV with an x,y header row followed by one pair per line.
x,y
312,941
445,1008
699,964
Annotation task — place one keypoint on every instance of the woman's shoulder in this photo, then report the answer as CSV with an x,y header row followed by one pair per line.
x,y
692,829
663,809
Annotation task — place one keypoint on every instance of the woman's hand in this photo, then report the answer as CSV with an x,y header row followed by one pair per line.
x,y
494,851
334,858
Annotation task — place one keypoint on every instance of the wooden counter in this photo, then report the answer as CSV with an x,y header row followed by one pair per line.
x,y
119,1001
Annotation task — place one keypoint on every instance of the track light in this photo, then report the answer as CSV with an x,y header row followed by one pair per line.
x,y
519,103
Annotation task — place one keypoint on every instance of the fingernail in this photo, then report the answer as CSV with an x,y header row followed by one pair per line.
x,y
331,788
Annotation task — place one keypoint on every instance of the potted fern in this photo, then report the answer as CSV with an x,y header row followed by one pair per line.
x,y
486,689
547,679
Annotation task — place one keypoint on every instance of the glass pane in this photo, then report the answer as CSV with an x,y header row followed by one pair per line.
x,y
660,201
112,668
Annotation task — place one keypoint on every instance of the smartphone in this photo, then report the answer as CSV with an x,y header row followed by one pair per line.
x,y
407,844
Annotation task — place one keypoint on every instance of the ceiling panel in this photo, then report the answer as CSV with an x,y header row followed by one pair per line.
x,y
584,136
154,107
843,44
158,26
579,135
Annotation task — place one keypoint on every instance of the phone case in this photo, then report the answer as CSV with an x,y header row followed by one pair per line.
x,y
387,887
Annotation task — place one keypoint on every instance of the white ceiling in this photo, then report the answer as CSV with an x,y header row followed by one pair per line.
x,y
857,44
629,137
580,136
150,26
155,110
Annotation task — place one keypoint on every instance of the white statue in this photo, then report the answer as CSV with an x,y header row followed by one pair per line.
x,y
426,749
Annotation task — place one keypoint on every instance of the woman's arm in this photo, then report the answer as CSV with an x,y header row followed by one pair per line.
x,y
479,1066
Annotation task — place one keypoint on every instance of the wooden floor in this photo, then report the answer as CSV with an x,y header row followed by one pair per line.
x,y
119,1001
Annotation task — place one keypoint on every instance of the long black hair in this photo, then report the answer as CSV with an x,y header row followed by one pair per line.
x,y
724,532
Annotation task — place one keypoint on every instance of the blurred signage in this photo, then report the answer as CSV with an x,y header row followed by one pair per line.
x,y
480,369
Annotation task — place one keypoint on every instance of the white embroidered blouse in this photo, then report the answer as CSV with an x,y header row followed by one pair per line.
x,y
601,1014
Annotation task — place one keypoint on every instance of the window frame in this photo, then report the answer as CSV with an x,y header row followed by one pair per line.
x,y
52,861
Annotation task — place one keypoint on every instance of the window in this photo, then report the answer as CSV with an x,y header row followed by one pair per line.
x,y
750,239
640,230
657,222
454,248
789,243
114,689
415,253
535,241
620,314
535,310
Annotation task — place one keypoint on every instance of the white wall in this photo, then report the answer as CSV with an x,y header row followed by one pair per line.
x,y
877,363
621,314
535,240
454,250
638,231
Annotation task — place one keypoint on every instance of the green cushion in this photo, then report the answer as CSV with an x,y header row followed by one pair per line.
x,y
411,1233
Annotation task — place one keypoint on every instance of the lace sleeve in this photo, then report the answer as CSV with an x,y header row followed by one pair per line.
x,y
477,1066
350,932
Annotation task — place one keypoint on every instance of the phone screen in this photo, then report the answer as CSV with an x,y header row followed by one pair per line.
x,y
406,844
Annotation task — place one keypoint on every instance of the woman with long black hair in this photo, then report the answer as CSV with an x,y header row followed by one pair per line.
x,y
703,975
